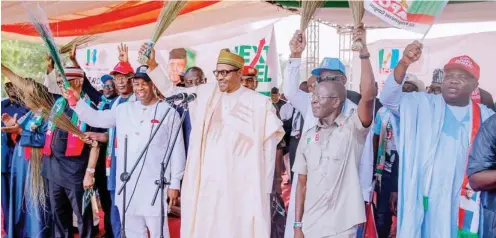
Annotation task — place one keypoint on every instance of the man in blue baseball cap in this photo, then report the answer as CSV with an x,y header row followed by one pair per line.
x,y
108,87
333,72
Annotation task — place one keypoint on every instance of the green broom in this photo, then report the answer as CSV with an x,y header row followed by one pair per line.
x,y
168,14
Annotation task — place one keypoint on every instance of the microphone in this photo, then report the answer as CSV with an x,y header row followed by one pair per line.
x,y
177,97
189,99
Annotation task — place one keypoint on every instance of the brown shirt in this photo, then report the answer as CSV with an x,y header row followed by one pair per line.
x,y
330,157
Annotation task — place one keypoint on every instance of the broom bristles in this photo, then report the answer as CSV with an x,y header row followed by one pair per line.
x,y
78,41
357,12
168,14
307,12
39,21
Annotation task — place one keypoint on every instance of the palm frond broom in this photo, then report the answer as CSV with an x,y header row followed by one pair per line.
x,y
168,14
78,41
357,11
308,9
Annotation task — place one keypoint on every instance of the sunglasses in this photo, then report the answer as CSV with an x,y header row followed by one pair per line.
x,y
108,86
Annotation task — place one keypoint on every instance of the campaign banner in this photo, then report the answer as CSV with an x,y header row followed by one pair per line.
x,y
412,15
258,48
385,55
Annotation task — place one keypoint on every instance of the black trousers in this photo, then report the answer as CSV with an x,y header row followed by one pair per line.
x,y
383,215
106,202
293,145
63,203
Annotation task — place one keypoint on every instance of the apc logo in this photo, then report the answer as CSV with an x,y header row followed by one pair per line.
x,y
91,57
388,59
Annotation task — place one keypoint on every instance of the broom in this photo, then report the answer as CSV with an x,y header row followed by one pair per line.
x,y
357,11
168,14
39,21
80,40
307,12
36,97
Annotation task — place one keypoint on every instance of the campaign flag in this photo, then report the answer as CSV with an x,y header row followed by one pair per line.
x,y
412,15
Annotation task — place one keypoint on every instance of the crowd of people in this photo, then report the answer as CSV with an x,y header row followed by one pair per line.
x,y
426,155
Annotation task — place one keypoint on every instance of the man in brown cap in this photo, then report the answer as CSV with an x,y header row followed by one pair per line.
x,y
177,64
233,141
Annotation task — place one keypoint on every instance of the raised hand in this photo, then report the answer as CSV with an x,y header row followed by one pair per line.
x,y
151,61
8,120
360,35
296,46
49,62
123,53
72,56
412,53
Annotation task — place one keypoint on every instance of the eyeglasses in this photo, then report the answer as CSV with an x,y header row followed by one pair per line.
x,y
331,78
319,97
224,73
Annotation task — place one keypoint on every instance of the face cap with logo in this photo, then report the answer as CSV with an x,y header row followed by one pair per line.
x,y
328,63
141,73
249,71
122,68
465,63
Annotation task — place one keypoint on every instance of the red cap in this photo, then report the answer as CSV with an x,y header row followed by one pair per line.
x,y
249,71
122,68
466,63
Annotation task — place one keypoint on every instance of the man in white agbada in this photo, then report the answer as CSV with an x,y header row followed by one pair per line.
x,y
435,136
137,120
302,102
231,156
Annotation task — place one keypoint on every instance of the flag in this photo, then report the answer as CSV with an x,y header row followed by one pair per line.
x,y
413,15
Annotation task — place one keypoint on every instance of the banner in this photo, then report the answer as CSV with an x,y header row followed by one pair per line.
x,y
385,54
412,15
259,45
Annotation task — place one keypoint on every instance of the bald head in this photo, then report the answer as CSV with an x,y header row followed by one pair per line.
x,y
328,97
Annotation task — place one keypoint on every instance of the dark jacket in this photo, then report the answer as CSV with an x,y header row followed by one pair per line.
x,y
483,157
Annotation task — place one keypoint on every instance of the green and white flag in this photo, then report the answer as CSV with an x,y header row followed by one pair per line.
x,y
413,15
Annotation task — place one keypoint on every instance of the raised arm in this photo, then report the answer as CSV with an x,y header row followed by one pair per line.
x,y
299,99
161,79
367,81
392,92
50,77
95,118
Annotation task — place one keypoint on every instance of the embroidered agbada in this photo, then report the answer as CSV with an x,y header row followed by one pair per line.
x,y
231,160
432,139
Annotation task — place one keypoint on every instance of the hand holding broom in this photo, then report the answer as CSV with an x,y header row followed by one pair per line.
x,y
297,44
357,11
360,37
168,14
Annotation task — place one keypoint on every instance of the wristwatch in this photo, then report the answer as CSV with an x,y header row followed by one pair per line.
x,y
297,224
365,56
91,170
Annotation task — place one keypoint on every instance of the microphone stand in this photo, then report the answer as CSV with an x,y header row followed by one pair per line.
x,y
123,227
126,176
162,181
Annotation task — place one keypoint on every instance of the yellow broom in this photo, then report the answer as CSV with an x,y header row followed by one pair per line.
x,y
308,9
357,11
168,14
80,40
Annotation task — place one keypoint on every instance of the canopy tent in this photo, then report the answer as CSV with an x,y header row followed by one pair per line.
x,y
339,13
119,21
